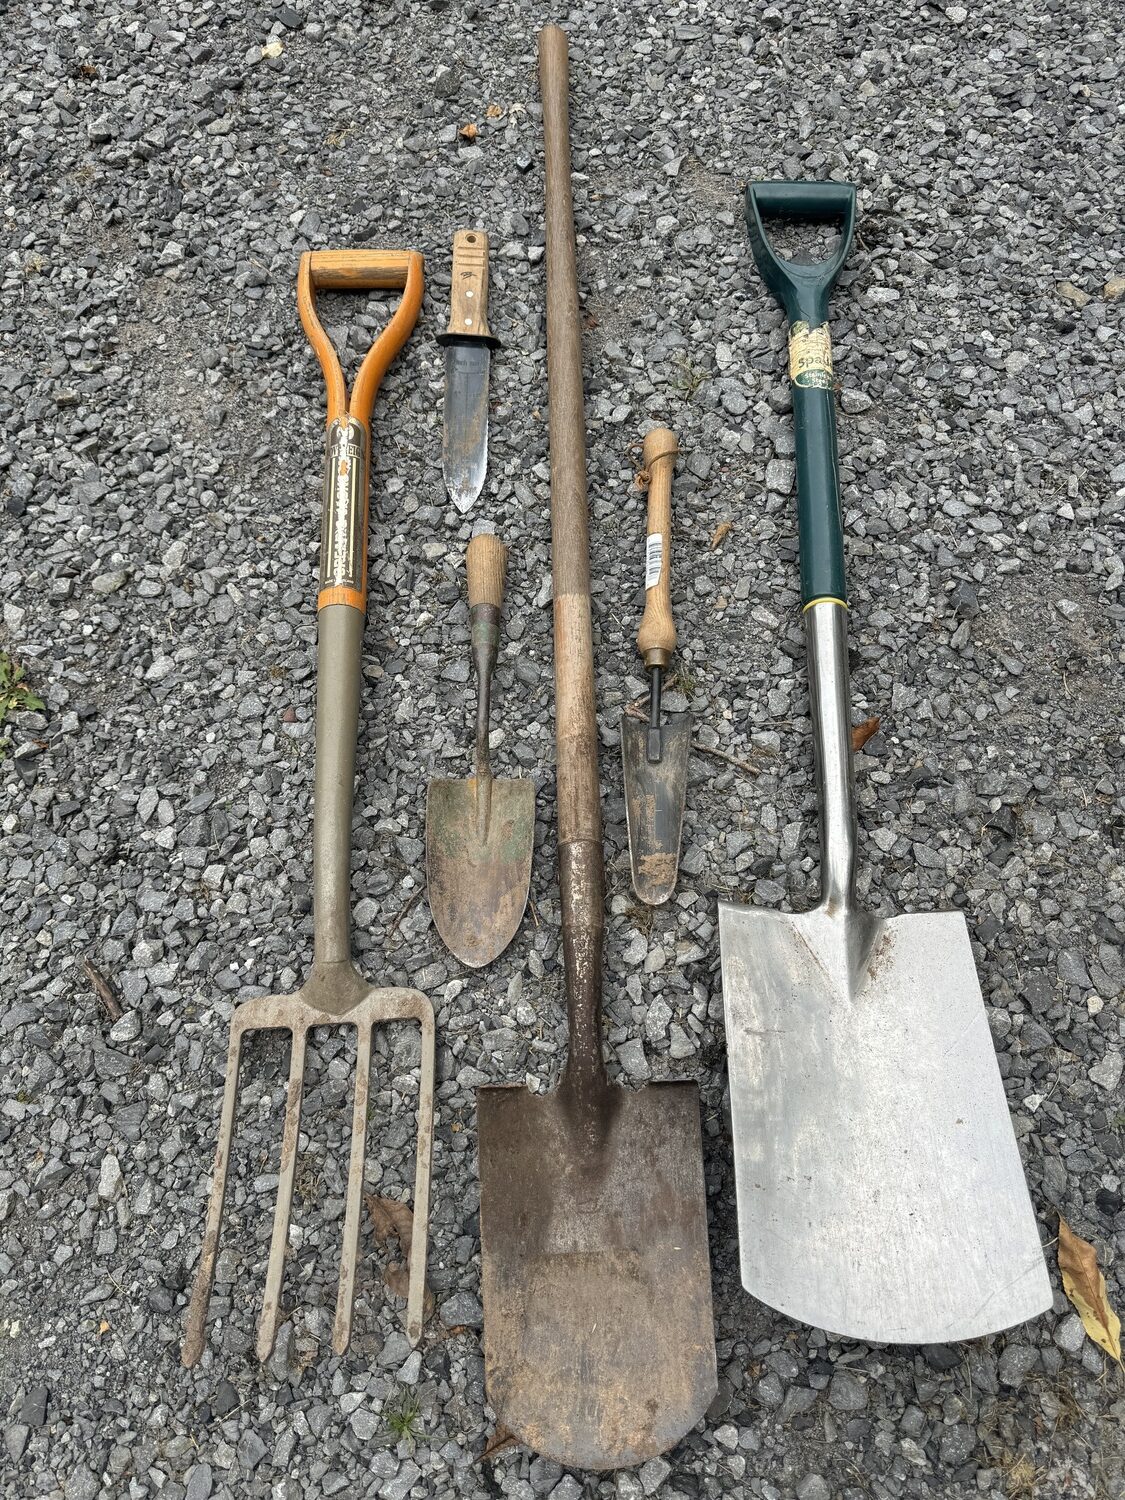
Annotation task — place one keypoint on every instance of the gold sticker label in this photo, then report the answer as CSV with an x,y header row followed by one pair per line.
x,y
810,357
343,537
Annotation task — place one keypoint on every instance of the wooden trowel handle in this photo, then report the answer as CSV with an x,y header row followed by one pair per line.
x,y
656,639
486,564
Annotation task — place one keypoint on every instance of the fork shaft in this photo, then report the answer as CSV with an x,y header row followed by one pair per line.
x,y
345,1296
340,641
271,1303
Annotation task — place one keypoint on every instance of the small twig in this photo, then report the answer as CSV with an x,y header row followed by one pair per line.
x,y
408,907
635,711
731,760
104,991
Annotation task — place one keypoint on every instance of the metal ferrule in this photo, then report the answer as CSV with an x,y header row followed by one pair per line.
x,y
826,639
484,624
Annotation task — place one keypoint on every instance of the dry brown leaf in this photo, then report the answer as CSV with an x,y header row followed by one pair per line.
x,y
391,1219
720,533
468,132
273,49
1084,1284
861,733
497,1443
494,111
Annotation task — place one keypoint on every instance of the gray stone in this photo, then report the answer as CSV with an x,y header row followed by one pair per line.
x,y
1070,1335
1016,1364
653,1472
814,1487
958,1444
33,1407
111,1182
199,1482
846,1392
82,1484
402,1483
462,1310
251,1449
1106,1072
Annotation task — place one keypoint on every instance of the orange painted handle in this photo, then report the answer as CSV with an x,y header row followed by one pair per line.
x,y
358,271
347,479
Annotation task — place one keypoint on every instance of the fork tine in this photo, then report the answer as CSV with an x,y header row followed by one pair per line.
x,y
342,1331
271,1303
416,1290
195,1335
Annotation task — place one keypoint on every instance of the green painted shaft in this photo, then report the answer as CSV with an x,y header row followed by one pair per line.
x,y
803,291
819,517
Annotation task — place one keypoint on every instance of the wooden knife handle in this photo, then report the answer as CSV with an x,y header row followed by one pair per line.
x,y
656,639
468,300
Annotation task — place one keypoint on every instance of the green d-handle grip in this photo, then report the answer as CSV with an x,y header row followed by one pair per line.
x,y
803,291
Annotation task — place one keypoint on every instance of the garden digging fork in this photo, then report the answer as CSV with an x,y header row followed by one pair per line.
x,y
335,993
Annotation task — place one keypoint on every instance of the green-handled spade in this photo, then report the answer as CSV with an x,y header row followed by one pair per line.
x,y
880,1190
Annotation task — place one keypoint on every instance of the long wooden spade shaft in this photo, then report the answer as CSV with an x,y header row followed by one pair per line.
x,y
581,859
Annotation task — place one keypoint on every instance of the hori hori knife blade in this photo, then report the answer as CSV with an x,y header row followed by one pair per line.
x,y
468,352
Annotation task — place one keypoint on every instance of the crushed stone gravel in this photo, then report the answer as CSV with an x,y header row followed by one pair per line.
x,y
164,167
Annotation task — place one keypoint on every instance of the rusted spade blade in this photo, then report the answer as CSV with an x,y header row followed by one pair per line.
x,y
335,993
655,754
480,833
598,1337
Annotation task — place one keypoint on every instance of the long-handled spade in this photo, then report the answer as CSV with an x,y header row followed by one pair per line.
x,y
880,1190
335,993
598,1341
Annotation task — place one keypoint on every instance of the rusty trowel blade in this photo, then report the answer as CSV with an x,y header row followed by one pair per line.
x,y
478,885
654,803
599,1345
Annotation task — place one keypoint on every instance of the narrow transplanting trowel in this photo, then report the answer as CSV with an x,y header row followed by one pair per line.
x,y
655,754
468,353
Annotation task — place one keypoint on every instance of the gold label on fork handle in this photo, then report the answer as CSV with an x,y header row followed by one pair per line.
x,y
343,536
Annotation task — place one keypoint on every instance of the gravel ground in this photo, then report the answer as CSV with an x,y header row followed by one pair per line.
x,y
159,479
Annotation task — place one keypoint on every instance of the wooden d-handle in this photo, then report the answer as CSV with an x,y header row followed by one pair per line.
x,y
656,639
360,270
486,564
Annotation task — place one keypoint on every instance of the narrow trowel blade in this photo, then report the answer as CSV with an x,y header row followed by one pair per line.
x,y
654,803
464,448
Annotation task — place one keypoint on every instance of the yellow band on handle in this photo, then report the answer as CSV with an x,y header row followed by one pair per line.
x,y
824,599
